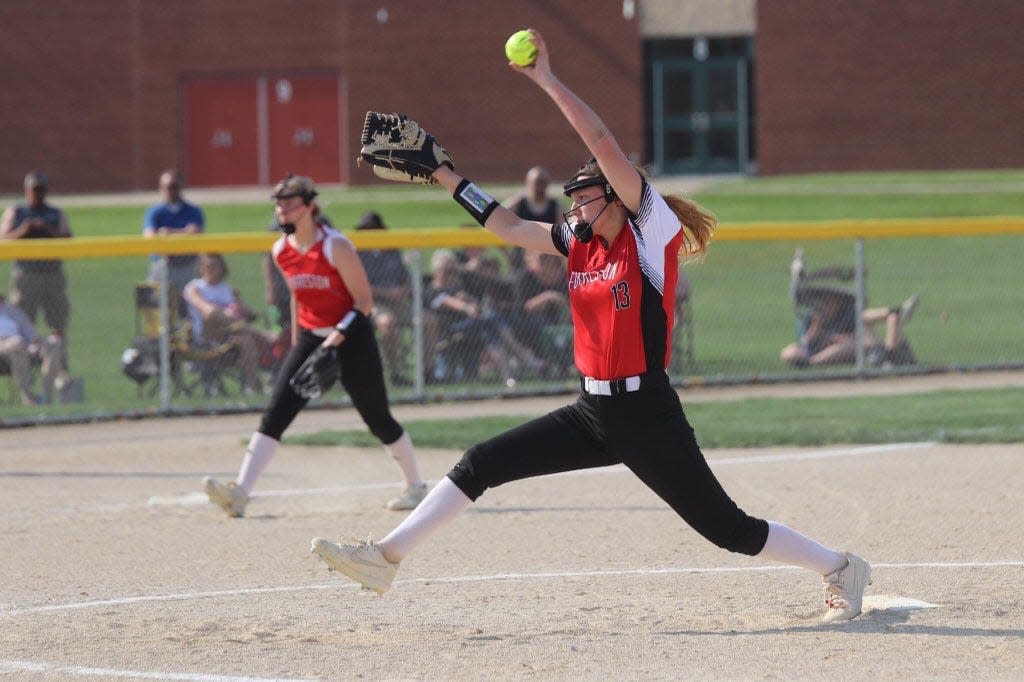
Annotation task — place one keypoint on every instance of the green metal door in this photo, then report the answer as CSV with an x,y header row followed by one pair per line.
x,y
700,115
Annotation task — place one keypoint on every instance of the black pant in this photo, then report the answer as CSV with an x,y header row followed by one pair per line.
x,y
647,431
362,376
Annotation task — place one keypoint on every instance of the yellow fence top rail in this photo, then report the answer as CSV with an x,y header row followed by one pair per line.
x,y
256,242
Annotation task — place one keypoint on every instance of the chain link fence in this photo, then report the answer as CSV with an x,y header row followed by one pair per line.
x,y
482,321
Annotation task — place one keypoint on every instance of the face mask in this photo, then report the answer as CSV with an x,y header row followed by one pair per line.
x,y
288,228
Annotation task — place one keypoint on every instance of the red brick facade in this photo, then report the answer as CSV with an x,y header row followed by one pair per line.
x,y
93,90
876,84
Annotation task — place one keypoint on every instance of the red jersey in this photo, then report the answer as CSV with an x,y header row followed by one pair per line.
x,y
320,292
622,297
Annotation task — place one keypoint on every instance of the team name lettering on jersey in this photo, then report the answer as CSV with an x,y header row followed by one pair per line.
x,y
578,279
306,281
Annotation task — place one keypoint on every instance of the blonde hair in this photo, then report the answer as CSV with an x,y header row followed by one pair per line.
x,y
698,226
697,222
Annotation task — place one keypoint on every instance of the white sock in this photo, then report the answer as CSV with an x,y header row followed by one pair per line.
x,y
787,546
403,453
257,456
441,505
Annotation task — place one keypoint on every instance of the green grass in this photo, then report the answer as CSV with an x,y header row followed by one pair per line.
x,y
889,178
735,207
977,416
970,308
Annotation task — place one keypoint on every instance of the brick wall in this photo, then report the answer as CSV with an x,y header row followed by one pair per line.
x,y
875,84
93,89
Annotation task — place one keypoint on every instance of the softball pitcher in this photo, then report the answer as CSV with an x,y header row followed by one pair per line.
x,y
622,242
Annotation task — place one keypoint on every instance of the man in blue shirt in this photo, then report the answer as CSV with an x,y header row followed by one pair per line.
x,y
173,215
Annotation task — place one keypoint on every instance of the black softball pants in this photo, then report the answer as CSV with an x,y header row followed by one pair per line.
x,y
361,375
647,431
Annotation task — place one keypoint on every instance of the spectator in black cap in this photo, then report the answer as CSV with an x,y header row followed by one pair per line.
x,y
39,284
389,279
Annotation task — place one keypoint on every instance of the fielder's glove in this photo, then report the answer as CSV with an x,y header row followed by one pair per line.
x,y
398,149
317,374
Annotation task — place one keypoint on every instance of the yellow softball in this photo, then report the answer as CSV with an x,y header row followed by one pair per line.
x,y
520,49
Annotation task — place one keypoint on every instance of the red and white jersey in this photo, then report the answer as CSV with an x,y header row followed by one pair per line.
x,y
320,292
623,298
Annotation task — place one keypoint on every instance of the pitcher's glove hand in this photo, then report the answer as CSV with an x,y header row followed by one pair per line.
x,y
399,149
317,374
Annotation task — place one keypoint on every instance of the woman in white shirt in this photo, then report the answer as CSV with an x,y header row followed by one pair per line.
x,y
219,316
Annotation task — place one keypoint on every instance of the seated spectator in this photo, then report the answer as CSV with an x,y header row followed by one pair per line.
x,y
219,315
173,216
20,345
830,337
470,336
827,334
40,284
543,305
462,337
481,275
389,280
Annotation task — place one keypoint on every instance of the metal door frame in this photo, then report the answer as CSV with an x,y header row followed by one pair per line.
x,y
699,70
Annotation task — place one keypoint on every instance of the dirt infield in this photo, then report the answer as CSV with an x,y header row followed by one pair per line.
x,y
111,565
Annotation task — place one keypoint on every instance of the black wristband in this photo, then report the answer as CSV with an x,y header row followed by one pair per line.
x,y
352,322
477,202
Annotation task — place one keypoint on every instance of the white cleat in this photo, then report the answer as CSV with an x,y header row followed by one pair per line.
x,y
409,498
362,562
230,497
844,589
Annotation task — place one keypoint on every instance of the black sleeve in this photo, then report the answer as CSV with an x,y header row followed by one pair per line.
x,y
560,236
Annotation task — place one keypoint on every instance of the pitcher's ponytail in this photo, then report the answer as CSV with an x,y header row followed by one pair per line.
x,y
698,226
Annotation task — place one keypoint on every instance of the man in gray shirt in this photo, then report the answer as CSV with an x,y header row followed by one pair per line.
x,y
38,284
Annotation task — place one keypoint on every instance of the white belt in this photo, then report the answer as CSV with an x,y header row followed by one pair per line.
x,y
610,386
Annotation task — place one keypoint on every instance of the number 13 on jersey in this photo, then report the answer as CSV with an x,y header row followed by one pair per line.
x,y
620,292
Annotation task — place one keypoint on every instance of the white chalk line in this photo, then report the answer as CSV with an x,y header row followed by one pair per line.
x,y
196,499
85,671
190,500
490,577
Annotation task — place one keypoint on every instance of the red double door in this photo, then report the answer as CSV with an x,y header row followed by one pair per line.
x,y
252,131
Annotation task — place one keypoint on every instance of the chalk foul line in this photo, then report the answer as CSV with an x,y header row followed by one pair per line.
x,y
188,596
198,499
52,669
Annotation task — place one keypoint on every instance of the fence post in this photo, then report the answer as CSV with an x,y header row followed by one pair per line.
x,y
858,253
165,334
416,264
